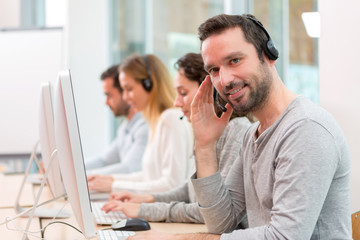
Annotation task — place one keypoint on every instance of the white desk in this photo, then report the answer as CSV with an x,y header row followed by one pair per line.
x,y
20,223
10,185
61,231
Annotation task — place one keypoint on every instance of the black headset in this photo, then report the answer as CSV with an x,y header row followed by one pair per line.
x,y
146,82
268,47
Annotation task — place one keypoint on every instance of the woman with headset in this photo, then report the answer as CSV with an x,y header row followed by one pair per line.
x,y
179,204
166,162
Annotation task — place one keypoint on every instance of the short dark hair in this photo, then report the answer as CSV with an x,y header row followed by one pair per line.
x,y
112,72
218,24
193,66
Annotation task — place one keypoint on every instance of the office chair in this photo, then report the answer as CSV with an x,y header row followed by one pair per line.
x,y
355,222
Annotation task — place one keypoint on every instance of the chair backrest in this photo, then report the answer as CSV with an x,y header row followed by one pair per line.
x,y
355,222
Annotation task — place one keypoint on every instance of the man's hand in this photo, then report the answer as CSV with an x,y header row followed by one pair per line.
x,y
100,183
207,128
126,196
131,210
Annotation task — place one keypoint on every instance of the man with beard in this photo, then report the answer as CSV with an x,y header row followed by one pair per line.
x,y
292,176
125,153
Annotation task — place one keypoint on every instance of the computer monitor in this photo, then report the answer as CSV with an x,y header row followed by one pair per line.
x,y
51,164
70,154
47,140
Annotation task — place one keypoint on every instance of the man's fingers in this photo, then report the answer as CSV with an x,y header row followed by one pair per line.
x,y
204,92
203,97
209,91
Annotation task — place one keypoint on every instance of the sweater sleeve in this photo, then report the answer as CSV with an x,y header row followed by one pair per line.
x,y
179,194
229,144
299,190
131,158
171,206
171,212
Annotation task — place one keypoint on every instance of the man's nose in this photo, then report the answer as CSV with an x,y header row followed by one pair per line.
x,y
225,76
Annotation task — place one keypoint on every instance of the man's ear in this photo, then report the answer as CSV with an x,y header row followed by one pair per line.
x,y
270,61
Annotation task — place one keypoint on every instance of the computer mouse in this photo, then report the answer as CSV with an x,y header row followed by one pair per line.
x,y
131,224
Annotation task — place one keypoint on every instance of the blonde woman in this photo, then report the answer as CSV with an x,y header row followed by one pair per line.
x,y
166,162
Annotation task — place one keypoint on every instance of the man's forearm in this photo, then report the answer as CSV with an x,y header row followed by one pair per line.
x,y
206,162
197,236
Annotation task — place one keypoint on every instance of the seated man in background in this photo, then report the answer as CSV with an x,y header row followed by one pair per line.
x,y
125,153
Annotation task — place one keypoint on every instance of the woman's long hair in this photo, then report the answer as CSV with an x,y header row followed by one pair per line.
x,y
162,93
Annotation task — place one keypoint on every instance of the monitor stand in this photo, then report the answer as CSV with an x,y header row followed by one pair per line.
x,y
39,212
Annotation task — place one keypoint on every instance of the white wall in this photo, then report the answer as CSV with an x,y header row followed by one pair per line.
x,y
339,64
10,13
87,48
82,46
27,58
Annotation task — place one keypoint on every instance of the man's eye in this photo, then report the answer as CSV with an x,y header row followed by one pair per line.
x,y
235,60
213,70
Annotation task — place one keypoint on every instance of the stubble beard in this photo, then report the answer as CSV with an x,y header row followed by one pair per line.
x,y
122,111
258,96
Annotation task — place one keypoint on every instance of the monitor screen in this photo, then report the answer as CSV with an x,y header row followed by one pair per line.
x,y
47,140
70,154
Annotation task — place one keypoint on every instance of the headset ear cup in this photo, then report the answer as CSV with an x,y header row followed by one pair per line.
x,y
270,50
147,84
268,46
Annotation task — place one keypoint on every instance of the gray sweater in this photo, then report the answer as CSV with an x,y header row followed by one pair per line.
x,y
125,153
178,205
293,181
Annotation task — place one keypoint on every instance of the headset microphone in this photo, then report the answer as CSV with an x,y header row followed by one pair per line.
x,y
222,107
